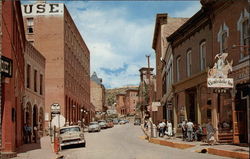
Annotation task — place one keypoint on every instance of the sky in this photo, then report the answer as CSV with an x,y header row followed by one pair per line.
x,y
120,33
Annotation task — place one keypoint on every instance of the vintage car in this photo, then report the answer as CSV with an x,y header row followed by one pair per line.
x,y
71,135
94,126
103,124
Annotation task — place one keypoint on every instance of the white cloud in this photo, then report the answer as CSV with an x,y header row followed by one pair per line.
x,y
188,11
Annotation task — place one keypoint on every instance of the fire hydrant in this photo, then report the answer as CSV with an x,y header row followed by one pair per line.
x,y
56,145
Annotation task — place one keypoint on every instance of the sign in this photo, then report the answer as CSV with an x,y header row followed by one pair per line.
x,y
58,121
55,108
42,8
220,82
218,75
6,66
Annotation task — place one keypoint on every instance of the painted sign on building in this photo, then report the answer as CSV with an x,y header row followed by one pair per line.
x,y
218,75
42,8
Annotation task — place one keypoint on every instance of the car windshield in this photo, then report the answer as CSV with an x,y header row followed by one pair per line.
x,y
72,129
94,123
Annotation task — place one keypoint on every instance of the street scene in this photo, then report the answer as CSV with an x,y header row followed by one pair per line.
x,y
124,79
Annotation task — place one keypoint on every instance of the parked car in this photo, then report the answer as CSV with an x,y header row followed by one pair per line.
x,y
126,121
94,126
137,122
110,123
71,135
103,124
122,122
115,121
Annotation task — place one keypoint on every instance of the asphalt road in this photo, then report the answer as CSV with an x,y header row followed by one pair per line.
x,y
124,142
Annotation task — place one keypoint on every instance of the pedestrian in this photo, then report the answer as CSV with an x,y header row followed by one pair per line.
x,y
169,128
210,133
25,132
29,132
198,132
184,129
35,133
190,127
161,128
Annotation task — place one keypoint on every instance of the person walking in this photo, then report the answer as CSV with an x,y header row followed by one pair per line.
x,y
35,133
210,133
190,127
184,129
161,128
29,132
170,130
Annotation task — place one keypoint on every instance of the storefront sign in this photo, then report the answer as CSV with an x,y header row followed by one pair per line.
x,y
6,66
218,75
220,82
55,108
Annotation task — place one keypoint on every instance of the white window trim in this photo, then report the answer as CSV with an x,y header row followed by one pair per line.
x,y
189,63
223,28
245,15
202,54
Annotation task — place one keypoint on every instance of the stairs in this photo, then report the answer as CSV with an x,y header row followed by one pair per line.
x,y
225,137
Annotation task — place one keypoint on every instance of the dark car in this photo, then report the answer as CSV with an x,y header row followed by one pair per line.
x,y
115,121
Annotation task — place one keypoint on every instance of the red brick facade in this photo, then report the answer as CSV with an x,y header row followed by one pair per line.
x,y
13,47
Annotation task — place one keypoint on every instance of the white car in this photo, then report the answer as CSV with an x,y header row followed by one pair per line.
x,y
94,126
71,135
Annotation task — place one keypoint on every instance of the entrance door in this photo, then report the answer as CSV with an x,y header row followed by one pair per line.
x,y
191,107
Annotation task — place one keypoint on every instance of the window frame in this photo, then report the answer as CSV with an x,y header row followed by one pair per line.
x,y
203,55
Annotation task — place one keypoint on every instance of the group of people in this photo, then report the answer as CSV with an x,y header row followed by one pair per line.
x,y
165,129
194,132
191,131
30,135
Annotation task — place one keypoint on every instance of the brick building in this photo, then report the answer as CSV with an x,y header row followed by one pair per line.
x,y
13,47
34,99
131,99
97,93
209,32
67,74
164,26
120,104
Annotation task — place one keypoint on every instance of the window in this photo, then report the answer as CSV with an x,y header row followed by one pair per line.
x,y
245,39
28,76
178,62
41,84
224,41
189,63
30,24
35,80
203,55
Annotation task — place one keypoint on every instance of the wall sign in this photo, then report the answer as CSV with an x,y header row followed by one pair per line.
x,y
6,66
218,75
42,8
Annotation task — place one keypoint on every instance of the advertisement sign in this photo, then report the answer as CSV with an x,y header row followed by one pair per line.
x,y
218,75
6,66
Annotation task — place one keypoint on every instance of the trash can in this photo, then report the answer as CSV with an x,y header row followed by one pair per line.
x,y
154,131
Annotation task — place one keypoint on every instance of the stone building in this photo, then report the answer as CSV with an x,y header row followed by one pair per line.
x,y
50,28
97,93
12,84
120,104
164,26
34,99
210,32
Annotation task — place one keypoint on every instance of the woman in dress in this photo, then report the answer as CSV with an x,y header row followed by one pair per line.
x,y
170,130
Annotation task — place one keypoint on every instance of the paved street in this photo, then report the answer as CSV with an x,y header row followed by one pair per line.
x,y
124,142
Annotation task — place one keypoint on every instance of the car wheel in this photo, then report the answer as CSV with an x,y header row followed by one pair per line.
x,y
84,145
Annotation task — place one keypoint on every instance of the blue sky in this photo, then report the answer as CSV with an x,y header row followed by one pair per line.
x,y
119,34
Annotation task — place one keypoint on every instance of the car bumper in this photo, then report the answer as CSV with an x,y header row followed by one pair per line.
x,y
72,143
94,129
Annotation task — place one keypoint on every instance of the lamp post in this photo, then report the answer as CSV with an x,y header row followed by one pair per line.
x,y
81,117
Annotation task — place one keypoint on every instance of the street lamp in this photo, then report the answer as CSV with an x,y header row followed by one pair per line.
x,y
81,117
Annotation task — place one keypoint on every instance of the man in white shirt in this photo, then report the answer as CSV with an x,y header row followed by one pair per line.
x,y
190,126
161,128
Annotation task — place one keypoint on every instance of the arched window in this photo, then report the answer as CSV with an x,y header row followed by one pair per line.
x,y
203,55
178,62
222,38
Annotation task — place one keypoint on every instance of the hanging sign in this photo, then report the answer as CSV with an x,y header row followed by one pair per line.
x,y
218,75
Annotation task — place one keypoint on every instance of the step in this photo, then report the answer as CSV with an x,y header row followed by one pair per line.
x,y
225,141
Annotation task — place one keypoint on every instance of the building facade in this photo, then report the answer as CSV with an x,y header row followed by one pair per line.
x,y
97,93
204,37
67,74
13,48
34,99
131,99
120,104
164,26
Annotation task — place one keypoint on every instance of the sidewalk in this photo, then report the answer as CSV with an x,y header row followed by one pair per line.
x,y
225,150
40,150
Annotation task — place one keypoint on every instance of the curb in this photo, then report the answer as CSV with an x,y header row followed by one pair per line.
x,y
226,153
170,144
